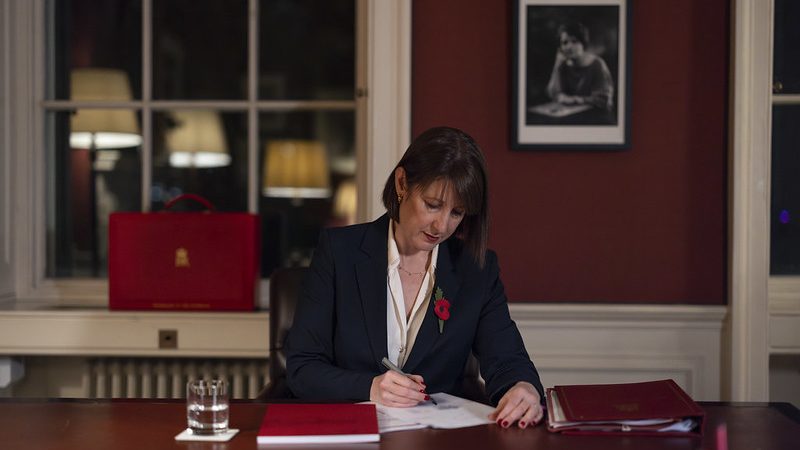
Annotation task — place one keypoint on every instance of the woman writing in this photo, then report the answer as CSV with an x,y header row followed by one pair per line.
x,y
418,286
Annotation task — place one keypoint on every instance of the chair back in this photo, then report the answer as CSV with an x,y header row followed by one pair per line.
x,y
472,385
284,293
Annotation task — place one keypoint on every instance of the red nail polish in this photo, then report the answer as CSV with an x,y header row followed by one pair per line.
x,y
505,424
422,391
522,423
499,423
427,397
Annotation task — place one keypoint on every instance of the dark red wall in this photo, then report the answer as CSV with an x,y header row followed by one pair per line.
x,y
645,225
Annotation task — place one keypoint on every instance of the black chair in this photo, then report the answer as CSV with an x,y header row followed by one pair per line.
x,y
472,386
284,293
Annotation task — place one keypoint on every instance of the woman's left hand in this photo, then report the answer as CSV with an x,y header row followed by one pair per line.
x,y
520,404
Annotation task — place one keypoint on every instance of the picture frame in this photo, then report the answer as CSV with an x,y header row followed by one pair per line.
x,y
571,75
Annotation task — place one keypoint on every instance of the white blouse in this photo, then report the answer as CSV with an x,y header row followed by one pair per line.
x,y
402,333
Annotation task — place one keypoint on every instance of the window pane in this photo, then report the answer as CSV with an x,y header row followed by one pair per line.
x,y
307,49
785,209
100,34
786,64
307,173
90,175
201,152
200,49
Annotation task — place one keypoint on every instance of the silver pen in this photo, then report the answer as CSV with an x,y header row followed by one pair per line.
x,y
390,365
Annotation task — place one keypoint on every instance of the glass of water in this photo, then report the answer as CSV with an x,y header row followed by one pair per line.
x,y
207,406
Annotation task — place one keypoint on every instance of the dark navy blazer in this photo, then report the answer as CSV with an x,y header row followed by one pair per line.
x,y
338,337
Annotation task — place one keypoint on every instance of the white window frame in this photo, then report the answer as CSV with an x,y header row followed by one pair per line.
x,y
382,134
757,300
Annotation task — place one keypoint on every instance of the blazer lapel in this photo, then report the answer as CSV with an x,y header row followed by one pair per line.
x,y
448,280
371,278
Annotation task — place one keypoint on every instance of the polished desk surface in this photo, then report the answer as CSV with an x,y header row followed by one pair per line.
x,y
153,424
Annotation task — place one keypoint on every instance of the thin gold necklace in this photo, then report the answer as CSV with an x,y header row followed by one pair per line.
x,y
409,273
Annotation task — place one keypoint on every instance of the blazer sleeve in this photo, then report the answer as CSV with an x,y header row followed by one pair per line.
x,y
310,362
498,344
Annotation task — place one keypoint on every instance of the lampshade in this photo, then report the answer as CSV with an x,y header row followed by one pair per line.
x,y
102,128
296,169
344,201
197,140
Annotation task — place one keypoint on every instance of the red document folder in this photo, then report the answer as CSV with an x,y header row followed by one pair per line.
x,y
658,408
319,424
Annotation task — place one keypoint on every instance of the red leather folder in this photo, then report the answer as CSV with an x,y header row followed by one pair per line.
x,y
183,260
314,423
657,408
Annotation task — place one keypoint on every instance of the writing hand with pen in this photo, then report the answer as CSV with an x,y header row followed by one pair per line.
x,y
398,389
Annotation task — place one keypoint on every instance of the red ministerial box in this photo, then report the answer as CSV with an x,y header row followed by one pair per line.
x,y
183,261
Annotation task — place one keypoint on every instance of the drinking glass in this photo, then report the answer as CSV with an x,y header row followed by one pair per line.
x,y
207,404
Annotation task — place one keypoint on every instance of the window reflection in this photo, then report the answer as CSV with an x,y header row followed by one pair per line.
x,y
785,204
786,64
92,178
296,169
102,128
196,140
200,49
306,52
202,152
96,33
305,158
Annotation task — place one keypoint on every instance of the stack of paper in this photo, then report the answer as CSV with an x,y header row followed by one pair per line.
x,y
451,412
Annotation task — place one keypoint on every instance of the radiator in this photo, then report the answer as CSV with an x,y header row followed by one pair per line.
x,y
166,378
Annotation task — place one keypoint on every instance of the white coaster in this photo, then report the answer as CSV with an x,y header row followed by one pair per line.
x,y
187,435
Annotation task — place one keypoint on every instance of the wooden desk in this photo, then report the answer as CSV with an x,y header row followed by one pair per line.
x,y
152,425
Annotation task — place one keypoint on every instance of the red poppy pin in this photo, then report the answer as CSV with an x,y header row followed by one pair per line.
x,y
441,306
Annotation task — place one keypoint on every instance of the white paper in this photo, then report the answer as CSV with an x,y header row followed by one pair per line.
x,y
451,412
387,423
684,425
187,435
555,109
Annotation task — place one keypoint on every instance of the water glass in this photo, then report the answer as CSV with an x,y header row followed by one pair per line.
x,y
207,406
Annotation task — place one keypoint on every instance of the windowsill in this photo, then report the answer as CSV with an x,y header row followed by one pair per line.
x,y
43,328
54,307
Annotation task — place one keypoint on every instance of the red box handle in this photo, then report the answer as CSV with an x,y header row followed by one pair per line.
x,y
199,199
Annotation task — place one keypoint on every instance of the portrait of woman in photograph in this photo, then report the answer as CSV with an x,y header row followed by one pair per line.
x,y
572,65
579,77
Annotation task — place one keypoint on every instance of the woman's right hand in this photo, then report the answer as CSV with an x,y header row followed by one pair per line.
x,y
396,390
560,58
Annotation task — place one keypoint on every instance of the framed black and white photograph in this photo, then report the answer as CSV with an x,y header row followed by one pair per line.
x,y
571,75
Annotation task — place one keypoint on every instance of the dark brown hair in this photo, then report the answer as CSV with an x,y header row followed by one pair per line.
x,y
448,154
576,30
